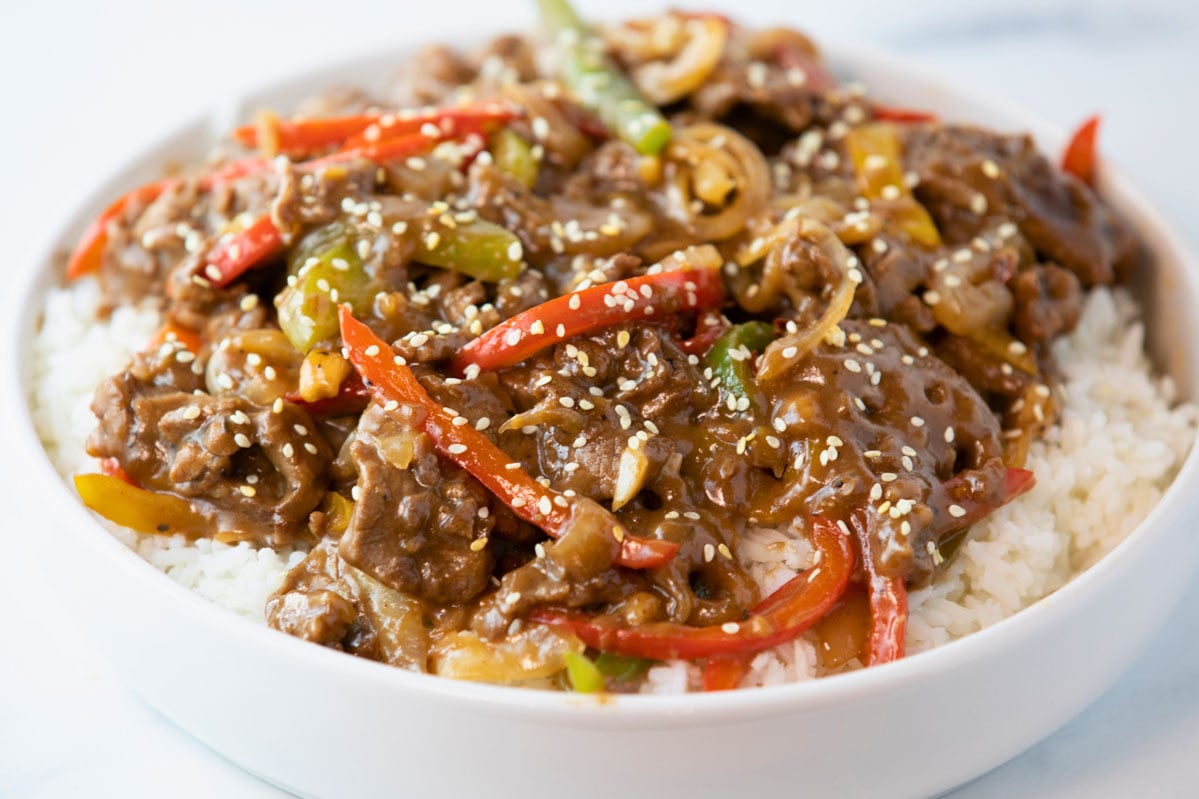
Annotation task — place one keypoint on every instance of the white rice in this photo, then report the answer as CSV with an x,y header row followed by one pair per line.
x,y
1120,441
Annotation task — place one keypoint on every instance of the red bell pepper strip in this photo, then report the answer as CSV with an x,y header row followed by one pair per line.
x,y
112,467
1015,483
888,615
652,296
88,252
888,595
231,258
186,337
474,452
725,672
450,122
1080,156
709,327
247,248
790,611
895,113
352,397
302,136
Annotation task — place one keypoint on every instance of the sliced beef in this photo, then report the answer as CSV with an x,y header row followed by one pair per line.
x,y
416,517
880,425
327,601
1060,217
255,471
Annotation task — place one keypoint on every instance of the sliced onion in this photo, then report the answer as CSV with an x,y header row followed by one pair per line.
x,y
785,352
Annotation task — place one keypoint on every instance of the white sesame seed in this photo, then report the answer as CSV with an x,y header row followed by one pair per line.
x,y
957,511
242,440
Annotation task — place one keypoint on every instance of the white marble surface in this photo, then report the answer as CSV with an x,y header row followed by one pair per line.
x,y
86,85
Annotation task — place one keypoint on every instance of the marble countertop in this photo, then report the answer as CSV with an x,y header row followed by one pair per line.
x,y
88,85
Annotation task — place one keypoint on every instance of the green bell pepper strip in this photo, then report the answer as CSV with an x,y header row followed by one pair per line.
x,y
582,673
600,85
481,249
514,156
621,668
325,270
731,355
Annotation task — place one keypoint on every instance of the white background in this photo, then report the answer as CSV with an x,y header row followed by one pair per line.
x,y
85,86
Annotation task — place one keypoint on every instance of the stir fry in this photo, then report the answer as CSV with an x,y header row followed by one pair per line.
x,y
524,350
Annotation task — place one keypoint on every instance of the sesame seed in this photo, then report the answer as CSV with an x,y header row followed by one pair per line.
x,y
574,302
723,549
957,511
310,447
456,449
730,627
242,440
888,477
247,491
191,412
917,421
288,450
545,506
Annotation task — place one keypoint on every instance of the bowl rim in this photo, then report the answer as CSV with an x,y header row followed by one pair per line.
x,y
562,707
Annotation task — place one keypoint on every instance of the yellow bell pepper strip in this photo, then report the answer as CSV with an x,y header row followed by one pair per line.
x,y
137,508
654,296
86,256
470,449
1080,156
582,673
599,84
875,151
481,249
789,612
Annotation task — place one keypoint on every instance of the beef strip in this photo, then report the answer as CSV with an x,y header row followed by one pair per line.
x,y
416,518
880,422
1060,216
255,472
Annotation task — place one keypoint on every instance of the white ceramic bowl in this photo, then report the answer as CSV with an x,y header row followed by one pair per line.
x,y
323,724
